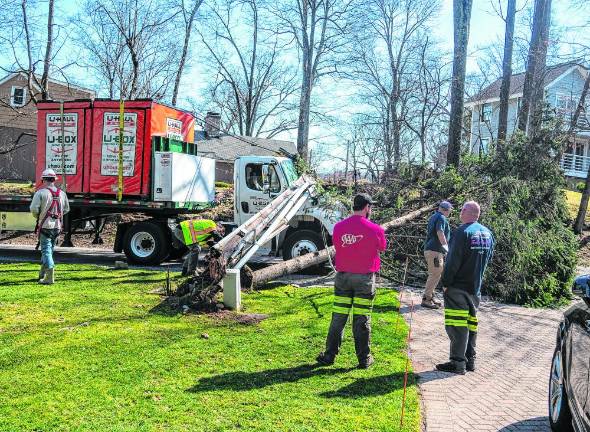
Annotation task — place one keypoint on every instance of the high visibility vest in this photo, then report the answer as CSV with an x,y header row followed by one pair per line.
x,y
197,231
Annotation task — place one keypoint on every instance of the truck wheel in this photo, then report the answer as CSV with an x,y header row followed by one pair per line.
x,y
146,243
302,242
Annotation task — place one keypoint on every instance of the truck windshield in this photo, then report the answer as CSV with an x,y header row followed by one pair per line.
x,y
290,171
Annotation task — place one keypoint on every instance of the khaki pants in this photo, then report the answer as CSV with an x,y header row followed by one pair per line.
x,y
434,272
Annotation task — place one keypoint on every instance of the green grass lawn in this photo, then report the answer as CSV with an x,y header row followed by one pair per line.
x,y
573,203
95,352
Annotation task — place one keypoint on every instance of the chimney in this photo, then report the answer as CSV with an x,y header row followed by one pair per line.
x,y
212,124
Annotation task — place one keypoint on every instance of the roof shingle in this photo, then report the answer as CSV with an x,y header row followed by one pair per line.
x,y
517,82
228,147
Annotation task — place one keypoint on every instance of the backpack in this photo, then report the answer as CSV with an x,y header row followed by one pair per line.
x,y
54,211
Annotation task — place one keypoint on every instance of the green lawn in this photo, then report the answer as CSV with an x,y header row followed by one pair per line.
x,y
95,352
573,203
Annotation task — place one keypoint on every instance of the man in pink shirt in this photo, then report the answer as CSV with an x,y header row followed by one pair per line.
x,y
358,242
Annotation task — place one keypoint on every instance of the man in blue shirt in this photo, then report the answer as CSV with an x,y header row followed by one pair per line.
x,y
435,248
471,249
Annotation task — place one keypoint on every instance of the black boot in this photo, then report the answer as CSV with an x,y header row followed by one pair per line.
x,y
470,366
450,367
324,359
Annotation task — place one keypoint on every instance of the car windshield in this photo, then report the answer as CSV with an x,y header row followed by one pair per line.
x,y
290,171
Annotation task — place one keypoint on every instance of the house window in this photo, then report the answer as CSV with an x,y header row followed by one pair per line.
x,y
484,146
486,112
564,103
18,96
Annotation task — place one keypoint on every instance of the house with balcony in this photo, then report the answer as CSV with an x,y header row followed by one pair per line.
x,y
563,86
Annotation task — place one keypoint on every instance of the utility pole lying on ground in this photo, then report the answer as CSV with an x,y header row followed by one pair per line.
x,y
294,265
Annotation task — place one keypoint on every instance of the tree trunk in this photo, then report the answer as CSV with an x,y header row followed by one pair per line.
x,y
269,273
187,38
47,60
461,18
506,73
581,217
538,95
535,68
303,126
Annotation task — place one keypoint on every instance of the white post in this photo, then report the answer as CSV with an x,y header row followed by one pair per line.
x,y
232,294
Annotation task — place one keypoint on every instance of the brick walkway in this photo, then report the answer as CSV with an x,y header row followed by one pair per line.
x,y
508,390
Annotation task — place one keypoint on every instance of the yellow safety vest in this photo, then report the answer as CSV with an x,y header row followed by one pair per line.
x,y
197,231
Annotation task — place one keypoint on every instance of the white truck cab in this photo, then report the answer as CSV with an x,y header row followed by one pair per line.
x,y
259,179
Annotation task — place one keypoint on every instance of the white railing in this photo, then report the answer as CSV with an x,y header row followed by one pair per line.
x,y
575,165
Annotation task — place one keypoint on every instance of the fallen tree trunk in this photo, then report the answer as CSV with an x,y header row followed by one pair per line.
x,y
294,265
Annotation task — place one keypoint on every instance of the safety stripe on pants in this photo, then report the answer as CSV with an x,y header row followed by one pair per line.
x,y
458,312
455,322
342,299
472,323
341,310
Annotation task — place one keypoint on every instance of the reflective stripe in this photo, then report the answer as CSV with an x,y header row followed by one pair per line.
x,y
191,228
366,312
472,328
365,307
460,312
455,323
363,301
471,318
341,299
341,310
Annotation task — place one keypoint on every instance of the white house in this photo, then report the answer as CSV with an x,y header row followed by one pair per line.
x,y
563,86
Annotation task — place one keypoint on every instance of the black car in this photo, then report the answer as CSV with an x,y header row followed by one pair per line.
x,y
569,389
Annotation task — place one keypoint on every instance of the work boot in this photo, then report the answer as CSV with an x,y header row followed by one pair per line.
x,y
324,360
470,366
49,278
450,367
367,363
429,304
42,272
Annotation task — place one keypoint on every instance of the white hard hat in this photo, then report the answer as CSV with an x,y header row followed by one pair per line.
x,y
48,173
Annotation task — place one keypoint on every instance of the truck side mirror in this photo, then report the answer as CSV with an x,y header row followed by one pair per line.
x,y
266,174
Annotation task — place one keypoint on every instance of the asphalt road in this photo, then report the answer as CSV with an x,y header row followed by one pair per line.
x,y
79,255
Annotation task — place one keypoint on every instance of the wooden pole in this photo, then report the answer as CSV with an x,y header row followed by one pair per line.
x,y
294,265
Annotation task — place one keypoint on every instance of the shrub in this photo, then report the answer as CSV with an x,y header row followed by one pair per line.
x,y
523,204
222,185
580,186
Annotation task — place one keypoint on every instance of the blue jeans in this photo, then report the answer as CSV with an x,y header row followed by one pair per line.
x,y
47,244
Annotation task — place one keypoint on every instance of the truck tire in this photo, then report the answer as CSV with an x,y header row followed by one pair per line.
x,y
146,243
302,242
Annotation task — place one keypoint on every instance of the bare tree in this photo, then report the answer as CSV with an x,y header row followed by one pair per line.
x,y
255,86
388,57
530,112
506,71
429,97
188,19
581,108
146,67
461,19
319,28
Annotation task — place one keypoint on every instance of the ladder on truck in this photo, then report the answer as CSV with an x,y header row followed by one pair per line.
x,y
242,243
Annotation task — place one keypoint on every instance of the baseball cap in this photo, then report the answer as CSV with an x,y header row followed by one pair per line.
x,y
445,205
361,200
48,173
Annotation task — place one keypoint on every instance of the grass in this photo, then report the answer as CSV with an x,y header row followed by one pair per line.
x,y
573,202
97,352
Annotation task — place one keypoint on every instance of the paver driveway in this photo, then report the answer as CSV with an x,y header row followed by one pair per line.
x,y
508,390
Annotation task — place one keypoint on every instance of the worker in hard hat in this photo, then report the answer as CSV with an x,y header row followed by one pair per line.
x,y
196,234
48,206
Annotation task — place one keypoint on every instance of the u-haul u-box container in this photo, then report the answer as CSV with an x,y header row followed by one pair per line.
x,y
86,148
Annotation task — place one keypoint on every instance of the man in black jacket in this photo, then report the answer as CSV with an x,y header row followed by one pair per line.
x,y
472,247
